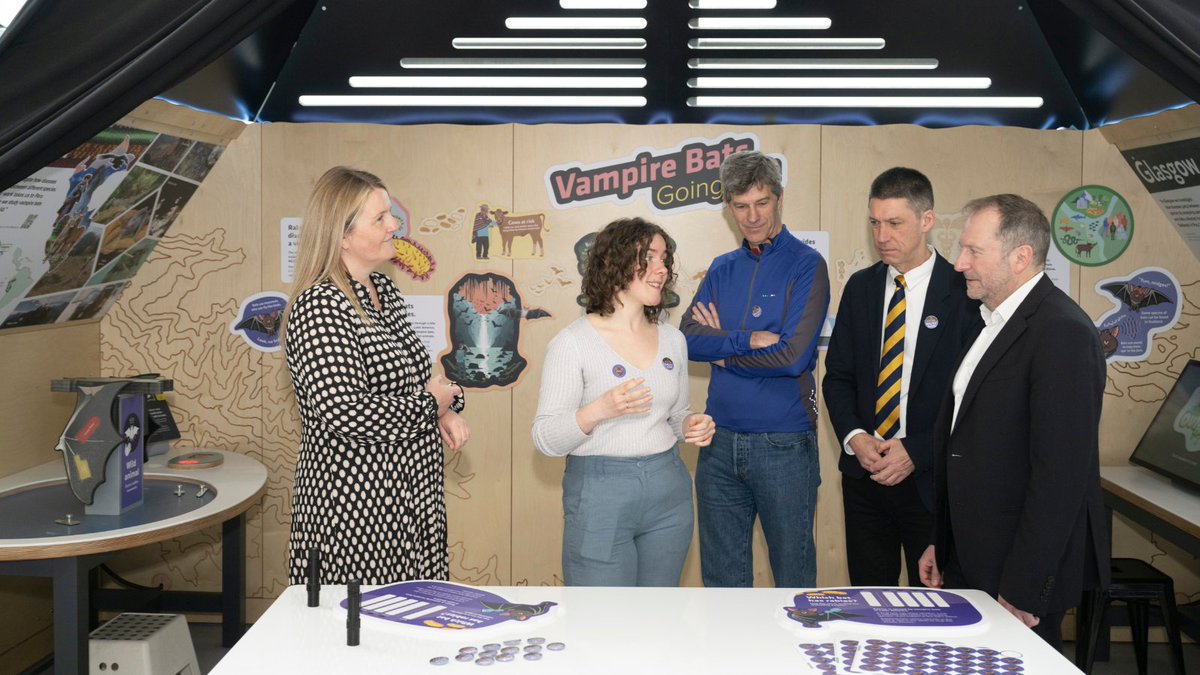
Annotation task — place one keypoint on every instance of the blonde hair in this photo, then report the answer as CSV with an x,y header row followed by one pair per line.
x,y
336,201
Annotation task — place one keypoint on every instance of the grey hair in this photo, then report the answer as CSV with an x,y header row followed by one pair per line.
x,y
748,168
1021,222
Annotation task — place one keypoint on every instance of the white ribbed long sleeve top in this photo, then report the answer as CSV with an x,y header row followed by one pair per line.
x,y
580,366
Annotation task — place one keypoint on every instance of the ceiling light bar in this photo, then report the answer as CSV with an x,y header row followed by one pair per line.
x,y
602,4
575,23
786,43
514,82
839,82
531,63
548,43
732,4
320,100
865,102
759,23
812,64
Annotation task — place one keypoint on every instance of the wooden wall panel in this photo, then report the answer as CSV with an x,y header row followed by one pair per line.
x,y
433,170
962,164
175,320
503,497
701,235
1135,391
31,420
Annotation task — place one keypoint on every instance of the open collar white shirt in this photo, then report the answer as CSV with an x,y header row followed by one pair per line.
x,y
993,323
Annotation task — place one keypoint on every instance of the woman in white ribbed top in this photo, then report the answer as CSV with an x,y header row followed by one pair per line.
x,y
614,401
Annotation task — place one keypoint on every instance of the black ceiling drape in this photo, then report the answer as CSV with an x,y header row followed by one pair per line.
x,y
1164,35
71,68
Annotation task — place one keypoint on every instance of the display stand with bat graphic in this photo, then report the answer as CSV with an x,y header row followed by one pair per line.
x,y
102,444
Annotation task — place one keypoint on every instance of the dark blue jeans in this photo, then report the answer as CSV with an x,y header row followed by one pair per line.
x,y
771,476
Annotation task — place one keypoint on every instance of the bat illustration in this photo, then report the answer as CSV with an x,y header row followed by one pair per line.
x,y
89,439
1136,297
516,611
266,323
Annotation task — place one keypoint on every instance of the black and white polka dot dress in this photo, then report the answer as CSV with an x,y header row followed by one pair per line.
x,y
369,473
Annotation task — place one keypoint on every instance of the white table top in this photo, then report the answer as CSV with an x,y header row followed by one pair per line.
x,y
238,483
626,631
1156,494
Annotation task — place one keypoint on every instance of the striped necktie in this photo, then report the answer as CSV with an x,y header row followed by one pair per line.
x,y
891,366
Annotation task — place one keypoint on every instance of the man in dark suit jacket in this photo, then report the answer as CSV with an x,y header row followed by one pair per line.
x,y
1019,512
887,477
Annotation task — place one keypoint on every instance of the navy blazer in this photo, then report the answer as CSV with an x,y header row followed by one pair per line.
x,y
1018,480
852,362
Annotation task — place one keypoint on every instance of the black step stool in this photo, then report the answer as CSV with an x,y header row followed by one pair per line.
x,y
1137,584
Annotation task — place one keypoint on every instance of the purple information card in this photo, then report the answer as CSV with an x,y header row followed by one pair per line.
x,y
437,604
895,607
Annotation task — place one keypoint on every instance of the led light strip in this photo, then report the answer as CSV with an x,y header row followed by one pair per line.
x,y
759,23
550,63
812,64
574,23
548,43
602,4
321,100
786,43
839,82
515,82
732,4
864,102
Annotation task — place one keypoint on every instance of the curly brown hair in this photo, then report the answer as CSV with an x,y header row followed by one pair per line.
x,y
618,255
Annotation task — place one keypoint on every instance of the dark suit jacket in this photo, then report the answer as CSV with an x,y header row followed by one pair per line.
x,y
852,362
1018,480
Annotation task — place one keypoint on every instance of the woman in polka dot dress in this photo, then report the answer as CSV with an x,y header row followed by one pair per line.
x,y
368,490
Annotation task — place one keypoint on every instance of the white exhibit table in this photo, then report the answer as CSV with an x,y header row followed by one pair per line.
x,y
607,630
33,544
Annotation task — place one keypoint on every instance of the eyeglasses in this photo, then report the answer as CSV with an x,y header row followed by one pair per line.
x,y
650,258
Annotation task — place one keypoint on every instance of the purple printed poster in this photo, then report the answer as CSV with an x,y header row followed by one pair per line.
x,y
441,605
129,453
894,607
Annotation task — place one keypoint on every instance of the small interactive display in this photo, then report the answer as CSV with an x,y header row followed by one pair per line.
x,y
882,607
442,605
1171,445
196,460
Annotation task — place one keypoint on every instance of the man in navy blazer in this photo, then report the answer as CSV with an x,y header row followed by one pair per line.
x,y
1019,512
887,478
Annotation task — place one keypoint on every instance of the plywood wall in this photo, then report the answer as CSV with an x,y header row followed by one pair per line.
x,y
31,420
503,498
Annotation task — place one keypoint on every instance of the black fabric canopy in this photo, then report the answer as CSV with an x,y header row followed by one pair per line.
x,y
71,68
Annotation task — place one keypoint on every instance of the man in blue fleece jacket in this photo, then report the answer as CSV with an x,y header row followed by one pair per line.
x,y
756,317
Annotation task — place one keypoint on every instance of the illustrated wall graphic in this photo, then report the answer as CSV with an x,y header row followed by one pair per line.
x,y
496,231
1092,225
1144,304
92,218
443,222
484,326
259,319
676,179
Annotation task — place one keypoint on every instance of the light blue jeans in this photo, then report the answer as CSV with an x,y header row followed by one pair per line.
x,y
627,521
771,476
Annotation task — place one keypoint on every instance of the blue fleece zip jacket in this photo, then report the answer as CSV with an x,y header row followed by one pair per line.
x,y
785,290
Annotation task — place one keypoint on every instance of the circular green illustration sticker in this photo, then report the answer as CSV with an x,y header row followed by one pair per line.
x,y
1092,225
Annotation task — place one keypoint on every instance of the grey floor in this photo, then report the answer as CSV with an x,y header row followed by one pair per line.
x,y
207,638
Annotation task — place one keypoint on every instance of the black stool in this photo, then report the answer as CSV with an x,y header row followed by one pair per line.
x,y
1137,584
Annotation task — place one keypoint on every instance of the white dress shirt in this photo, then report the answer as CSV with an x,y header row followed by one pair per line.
x,y
916,287
993,322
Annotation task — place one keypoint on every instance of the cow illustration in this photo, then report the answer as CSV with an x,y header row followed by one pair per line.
x,y
1084,250
512,226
